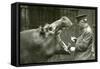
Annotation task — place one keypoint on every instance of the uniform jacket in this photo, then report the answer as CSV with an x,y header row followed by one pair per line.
x,y
84,45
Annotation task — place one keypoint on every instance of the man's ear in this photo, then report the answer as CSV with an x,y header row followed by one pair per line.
x,y
85,20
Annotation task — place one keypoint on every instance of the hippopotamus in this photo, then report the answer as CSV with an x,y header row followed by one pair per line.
x,y
38,45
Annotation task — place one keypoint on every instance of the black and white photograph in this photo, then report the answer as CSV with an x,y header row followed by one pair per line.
x,y
50,34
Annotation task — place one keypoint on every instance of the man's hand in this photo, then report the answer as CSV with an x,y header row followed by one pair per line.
x,y
72,49
73,39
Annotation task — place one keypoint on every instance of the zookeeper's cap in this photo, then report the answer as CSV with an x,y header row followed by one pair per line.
x,y
80,17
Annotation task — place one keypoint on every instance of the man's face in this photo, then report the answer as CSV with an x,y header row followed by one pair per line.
x,y
82,22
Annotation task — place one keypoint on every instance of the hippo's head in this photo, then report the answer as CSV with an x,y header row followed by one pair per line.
x,y
59,25
51,31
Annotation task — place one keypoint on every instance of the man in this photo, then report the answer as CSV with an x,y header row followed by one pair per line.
x,y
84,43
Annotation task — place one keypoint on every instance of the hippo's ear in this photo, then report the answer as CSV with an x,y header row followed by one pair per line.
x,y
41,28
42,33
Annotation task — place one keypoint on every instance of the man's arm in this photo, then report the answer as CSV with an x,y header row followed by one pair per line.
x,y
82,44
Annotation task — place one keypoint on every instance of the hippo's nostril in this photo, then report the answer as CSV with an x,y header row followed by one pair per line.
x,y
50,28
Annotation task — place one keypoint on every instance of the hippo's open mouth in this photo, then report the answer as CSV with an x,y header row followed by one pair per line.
x,y
60,25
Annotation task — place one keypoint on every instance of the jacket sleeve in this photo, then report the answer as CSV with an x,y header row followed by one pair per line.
x,y
83,42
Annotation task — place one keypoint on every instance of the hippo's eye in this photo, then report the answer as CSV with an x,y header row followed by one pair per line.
x,y
50,28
